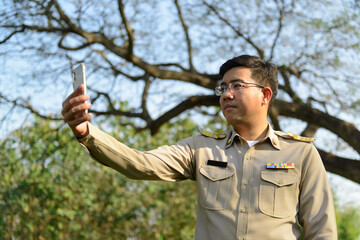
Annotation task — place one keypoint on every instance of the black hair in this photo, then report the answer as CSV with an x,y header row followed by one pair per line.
x,y
263,72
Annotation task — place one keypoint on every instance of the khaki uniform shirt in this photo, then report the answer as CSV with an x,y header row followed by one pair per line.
x,y
238,196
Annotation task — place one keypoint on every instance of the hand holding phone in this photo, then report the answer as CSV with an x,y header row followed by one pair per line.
x,y
79,77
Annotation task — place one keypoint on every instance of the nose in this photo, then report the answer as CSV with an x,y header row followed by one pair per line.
x,y
228,94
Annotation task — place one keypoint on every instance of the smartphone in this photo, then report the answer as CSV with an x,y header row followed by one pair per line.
x,y
79,77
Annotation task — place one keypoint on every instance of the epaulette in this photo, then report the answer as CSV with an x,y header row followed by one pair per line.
x,y
290,135
207,133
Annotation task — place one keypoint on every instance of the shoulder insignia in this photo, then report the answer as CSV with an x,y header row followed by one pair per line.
x,y
280,133
290,135
207,133
300,138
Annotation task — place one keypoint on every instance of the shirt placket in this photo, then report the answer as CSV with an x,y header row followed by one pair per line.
x,y
244,204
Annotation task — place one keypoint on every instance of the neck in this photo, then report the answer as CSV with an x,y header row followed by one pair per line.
x,y
252,132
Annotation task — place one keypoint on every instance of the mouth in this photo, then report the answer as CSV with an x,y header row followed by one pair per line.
x,y
228,106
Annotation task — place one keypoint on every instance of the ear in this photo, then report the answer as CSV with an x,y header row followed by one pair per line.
x,y
267,94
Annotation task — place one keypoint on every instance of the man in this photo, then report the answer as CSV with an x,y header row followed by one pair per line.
x,y
252,182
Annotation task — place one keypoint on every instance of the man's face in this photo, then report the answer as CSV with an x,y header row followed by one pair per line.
x,y
243,106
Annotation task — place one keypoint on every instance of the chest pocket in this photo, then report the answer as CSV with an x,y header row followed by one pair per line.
x,y
279,192
215,184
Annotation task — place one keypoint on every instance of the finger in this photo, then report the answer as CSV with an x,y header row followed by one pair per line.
x,y
76,122
79,114
76,111
72,102
75,93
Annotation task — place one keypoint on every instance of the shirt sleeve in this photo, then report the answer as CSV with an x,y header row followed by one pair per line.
x,y
168,163
316,210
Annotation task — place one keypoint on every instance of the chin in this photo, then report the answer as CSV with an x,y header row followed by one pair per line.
x,y
234,120
230,120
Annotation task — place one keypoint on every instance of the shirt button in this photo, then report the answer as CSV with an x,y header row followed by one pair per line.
x,y
243,210
245,183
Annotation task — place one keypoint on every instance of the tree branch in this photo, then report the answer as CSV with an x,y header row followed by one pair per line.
x,y
190,102
61,45
157,72
107,97
274,114
37,28
280,24
347,131
19,102
310,130
237,31
287,87
116,112
186,31
151,69
129,31
11,35
144,96
115,70
112,110
171,65
63,16
345,167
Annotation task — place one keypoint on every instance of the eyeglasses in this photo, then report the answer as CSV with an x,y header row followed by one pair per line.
x,y
235,87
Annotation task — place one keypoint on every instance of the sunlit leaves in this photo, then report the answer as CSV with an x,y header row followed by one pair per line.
x,y
52,189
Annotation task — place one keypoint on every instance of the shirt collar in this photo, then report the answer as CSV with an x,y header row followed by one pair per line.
x,y
231,137
270,136
273,138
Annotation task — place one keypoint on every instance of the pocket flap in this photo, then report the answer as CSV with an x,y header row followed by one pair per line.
x,y
216,174
279,178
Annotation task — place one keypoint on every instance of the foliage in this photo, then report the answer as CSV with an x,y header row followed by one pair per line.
x,y
348,222
51,189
